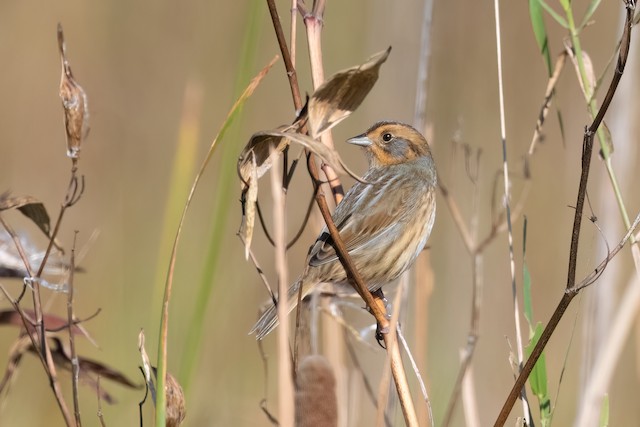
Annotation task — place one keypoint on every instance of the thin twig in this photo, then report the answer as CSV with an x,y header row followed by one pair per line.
x,y
571,288
365,380
75,365
100,414
420,110
505,167
546,105
414,365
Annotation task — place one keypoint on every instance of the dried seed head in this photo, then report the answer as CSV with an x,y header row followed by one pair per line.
x,y
316,403
74,102
176,411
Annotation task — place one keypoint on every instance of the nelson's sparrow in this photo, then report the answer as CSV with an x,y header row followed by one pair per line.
x,y
385,220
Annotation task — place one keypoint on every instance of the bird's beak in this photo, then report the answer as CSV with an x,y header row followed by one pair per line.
x,y
361,140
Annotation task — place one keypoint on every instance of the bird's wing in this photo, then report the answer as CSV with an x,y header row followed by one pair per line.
x,y
363,218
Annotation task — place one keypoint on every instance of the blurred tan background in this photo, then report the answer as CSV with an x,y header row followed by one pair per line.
x,y
135,60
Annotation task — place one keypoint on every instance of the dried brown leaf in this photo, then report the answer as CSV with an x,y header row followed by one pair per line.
x,y
257,150
19,347
146,366
74,102
342,93
31,207
261,141
592,81
89,370
249,218
588,67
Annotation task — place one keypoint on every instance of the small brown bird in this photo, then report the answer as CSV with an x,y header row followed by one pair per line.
x,y
384,221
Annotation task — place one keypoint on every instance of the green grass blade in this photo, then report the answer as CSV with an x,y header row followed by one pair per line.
x,y
538,379
224,194
164,319
181,175
559,19
593,6
540,32
526,287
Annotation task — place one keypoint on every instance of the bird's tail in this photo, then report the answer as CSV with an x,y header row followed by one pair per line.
x,y
269,319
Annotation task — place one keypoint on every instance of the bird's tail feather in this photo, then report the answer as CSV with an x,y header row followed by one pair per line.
x,y
269,319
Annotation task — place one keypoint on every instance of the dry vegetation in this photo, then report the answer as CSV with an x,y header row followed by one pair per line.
x,y
535,144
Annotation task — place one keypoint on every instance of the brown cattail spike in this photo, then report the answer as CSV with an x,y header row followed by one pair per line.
x,y
316,404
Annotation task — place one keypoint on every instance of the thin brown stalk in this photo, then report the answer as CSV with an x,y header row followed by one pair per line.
x,y
293,38
286,56
313,22
259,270
365,380
100,414
74,192
376,306
75,365
571,288
416,370
546,105
391,342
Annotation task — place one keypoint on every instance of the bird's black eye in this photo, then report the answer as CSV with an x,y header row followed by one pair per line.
x,y
386,137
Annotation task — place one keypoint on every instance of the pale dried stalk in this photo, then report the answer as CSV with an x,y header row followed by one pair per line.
x,y
505,167
285,382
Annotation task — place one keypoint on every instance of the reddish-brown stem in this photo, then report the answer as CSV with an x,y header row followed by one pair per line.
x,y
570,289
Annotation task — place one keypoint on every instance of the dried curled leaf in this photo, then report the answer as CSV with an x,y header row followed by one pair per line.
x,y
260,142
256,160
256,153
146,366
592,81
74,102
249,216
31,207
341,94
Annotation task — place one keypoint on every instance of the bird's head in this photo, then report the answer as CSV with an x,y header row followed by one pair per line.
x,y
392,143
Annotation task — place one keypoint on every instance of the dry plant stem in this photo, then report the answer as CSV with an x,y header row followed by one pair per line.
x,y
414,365
466,355
365,379
285,382
75,365
100,414
286,57
313,23
607,357
293,38
168,289
569,294
254,260
420,110
74,192
571,288
377,308
557,69
505,168
391,343
471,413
